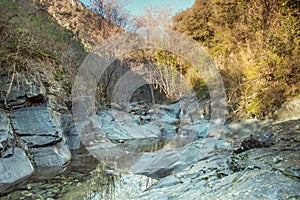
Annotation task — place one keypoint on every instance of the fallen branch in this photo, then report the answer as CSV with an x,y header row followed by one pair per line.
x,y
10,86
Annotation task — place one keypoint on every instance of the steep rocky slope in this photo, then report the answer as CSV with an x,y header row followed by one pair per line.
x,y
90,28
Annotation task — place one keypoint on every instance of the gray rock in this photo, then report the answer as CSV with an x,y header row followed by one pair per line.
x,y
167,130
8,152
166,182
68,128
254,184
289,110
14,169
40,141
119,125
5,132
196,130
35,126
222,144
193,110
17,96
33,121
34,92
165,162
240,130
21,93
50,160
143,145
259,173
72,137
163,116
173,109
42,138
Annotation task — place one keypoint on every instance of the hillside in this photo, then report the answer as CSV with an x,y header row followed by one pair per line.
x,y
35,47
90,28
256,47
45,43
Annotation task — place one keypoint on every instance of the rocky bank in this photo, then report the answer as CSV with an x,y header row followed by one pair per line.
x,y
250,160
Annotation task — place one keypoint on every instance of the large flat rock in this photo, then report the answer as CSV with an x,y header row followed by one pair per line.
x,y
167,161
33,121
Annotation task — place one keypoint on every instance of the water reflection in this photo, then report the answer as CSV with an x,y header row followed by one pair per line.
x,y
109,185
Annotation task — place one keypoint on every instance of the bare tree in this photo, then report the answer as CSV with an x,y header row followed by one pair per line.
x,y
155,17
114,11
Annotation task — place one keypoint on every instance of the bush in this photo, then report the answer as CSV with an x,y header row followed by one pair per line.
x,y
256,46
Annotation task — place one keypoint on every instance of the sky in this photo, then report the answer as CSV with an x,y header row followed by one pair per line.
x,y
136,7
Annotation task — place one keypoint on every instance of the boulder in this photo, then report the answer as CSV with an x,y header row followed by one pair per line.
x,y
20,94
33,121
14,169
165,162
50,160
35,127
42,138
290,110
118,125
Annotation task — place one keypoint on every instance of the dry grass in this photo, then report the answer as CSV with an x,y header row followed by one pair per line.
x,y
34,45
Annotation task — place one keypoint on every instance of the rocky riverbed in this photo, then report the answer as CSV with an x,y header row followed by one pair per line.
x,y
42,156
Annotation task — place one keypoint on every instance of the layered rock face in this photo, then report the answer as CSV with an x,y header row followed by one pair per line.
x,y
31,142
